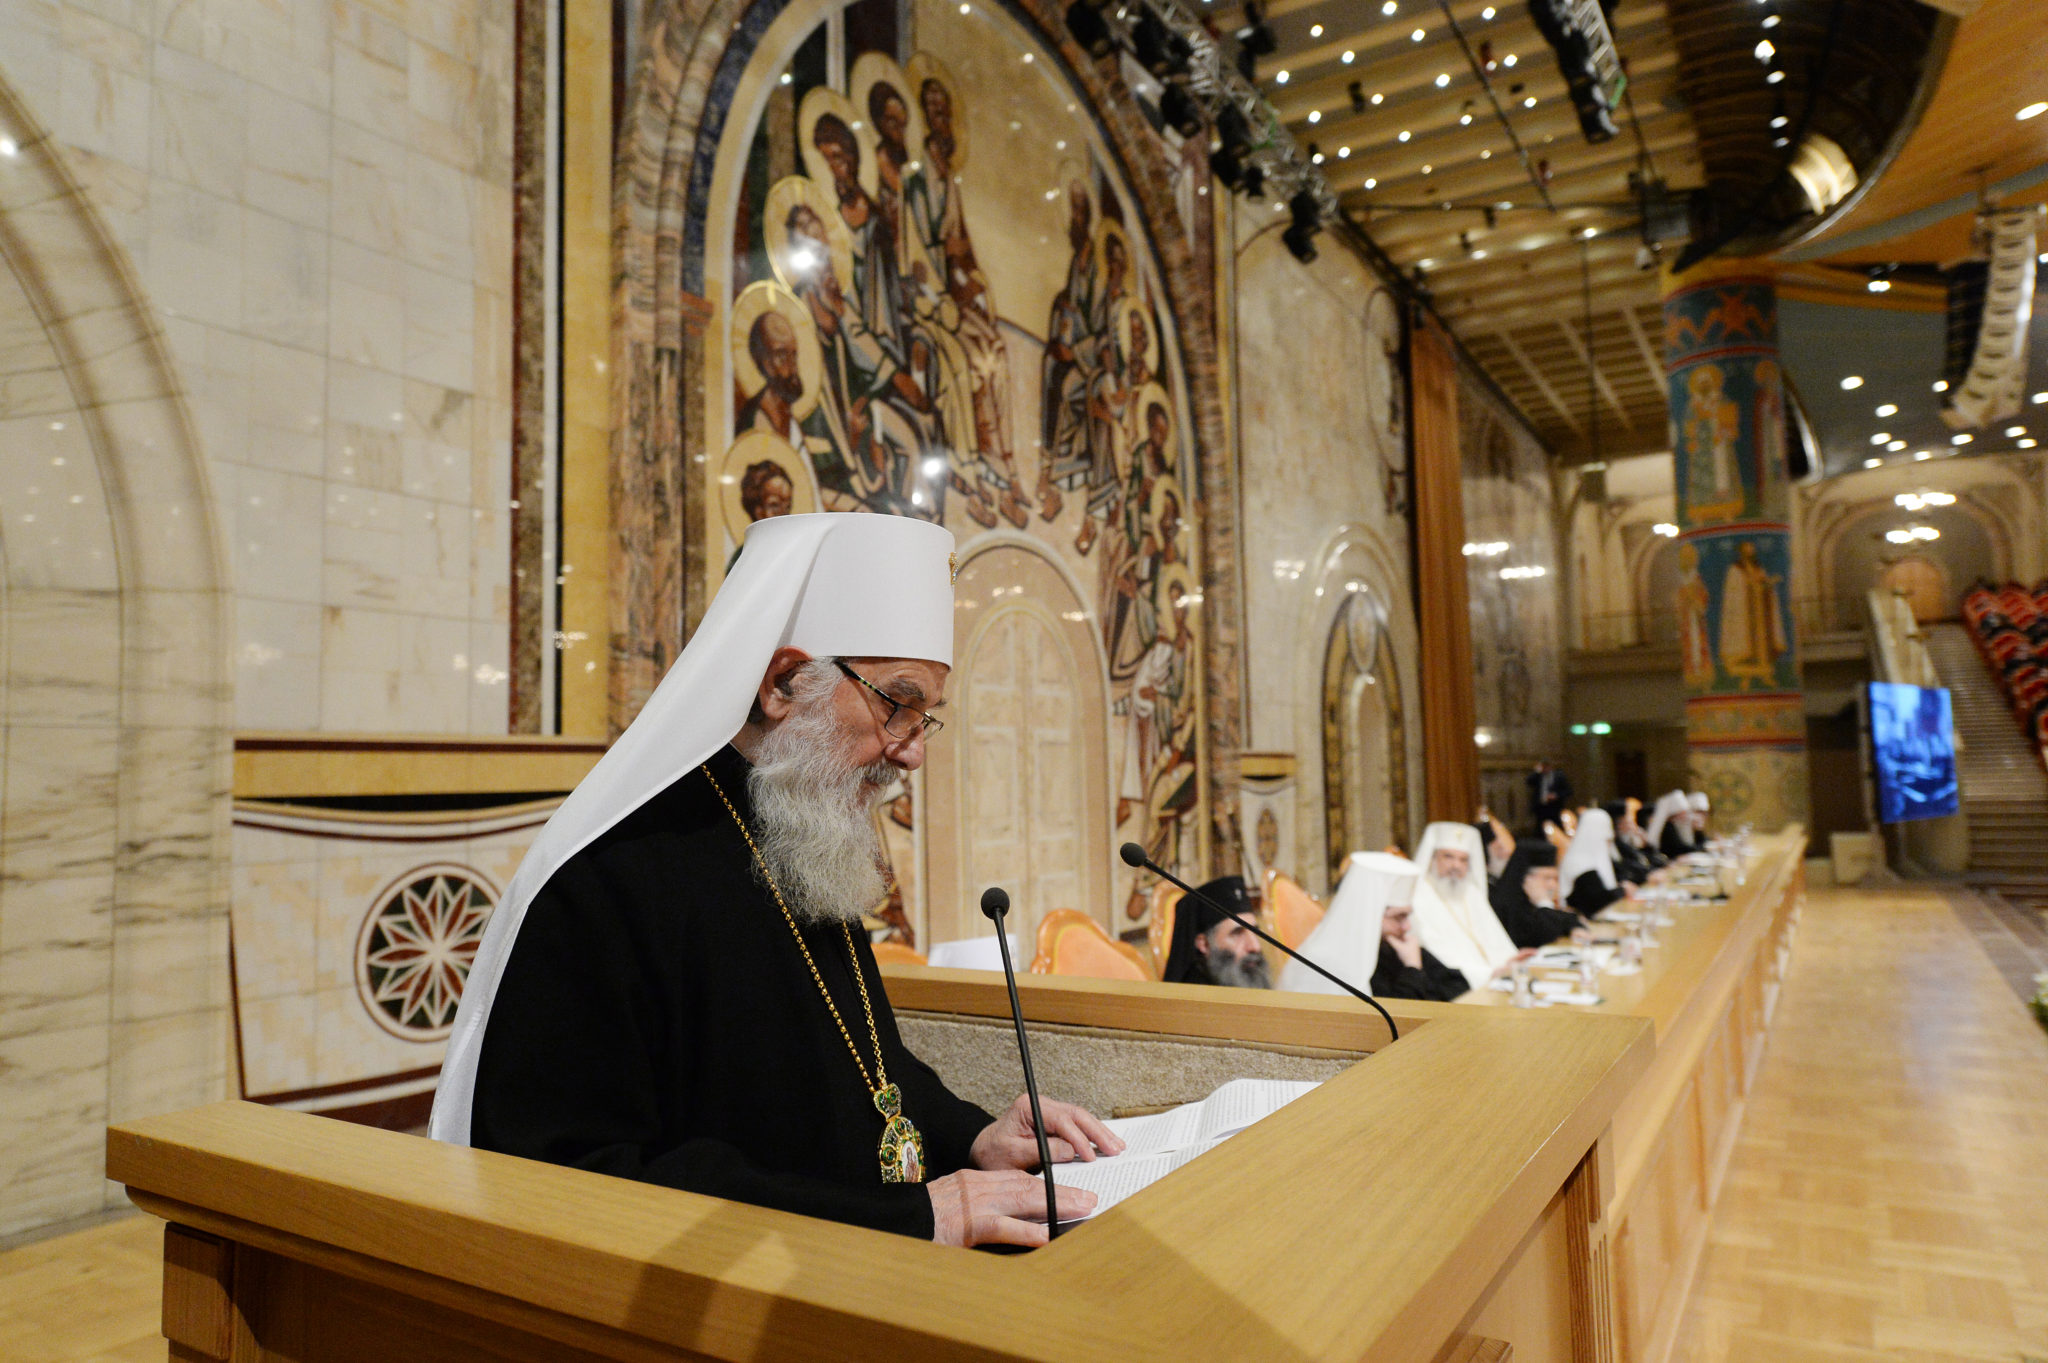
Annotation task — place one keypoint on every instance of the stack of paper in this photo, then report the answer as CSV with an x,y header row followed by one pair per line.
x,y
1156,1145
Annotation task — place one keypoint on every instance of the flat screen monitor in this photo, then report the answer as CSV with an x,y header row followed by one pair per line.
x,y
1913,742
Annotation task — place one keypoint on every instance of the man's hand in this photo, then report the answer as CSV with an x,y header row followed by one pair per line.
x,y
1070,1133
1408,946
997,1207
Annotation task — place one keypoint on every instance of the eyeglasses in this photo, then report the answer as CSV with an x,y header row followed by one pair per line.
x,y
903,721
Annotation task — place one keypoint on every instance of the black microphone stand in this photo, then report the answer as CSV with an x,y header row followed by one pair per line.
x,y
1134,855
995,902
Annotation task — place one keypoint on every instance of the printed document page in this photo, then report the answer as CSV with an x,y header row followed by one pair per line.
x,y
1157,1144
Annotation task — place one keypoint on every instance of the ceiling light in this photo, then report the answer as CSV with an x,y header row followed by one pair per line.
x,y
1508,60
1343,152
1764,51
2040,398
1486,153
1315,115
1390,8
2027,444
2015,430
1479,254
1889,409
1443,78
2038,107
1425,264
1350,57
1961,438
1588,233
1853,382
1774,77
1464,120
1315,30
1417,36
1486,13
1770,21
1923,454
1938,498
1529,103
1896,446
1426,169
1664,528
1779,121
1371,183
1941,386
1881,437
1873,463
9,147
1403,136
1377,97
1879,286
1782,142
1280,78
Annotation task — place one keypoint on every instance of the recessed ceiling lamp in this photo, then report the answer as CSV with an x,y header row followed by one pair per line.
x,y
1508,60
1349,57
1529,103
1873,463
1774,78
1770,21
1315,115
1280,78
1876,285
1896,446
1923,454
1390,8
1403,135
1941,386
1417,36
1443,78
2040,399
1486,13
1822,169
1889,409
2015,431
2040,107
1378,98
1764,51
1371,183
1853,382
1464,120
1881,437
1315,30
1343,153
1961,438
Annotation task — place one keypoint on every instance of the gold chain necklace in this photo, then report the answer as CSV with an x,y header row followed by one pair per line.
x,y
901,1149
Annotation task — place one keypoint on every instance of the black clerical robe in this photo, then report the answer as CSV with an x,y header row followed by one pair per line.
x,y
1672,843
656,1021
1589,893
1394,978
1527,923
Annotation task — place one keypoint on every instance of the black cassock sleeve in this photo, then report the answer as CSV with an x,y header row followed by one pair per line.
x,y
1590,894
568,1072
1671,844
1529,924
1394,978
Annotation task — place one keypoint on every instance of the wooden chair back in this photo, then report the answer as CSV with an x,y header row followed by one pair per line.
x,y
1291,912
1159,932
1072,943
887,952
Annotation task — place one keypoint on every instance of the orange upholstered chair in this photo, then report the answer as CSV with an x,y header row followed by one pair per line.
x,y
1072,943
1290,910
887,952
1159,933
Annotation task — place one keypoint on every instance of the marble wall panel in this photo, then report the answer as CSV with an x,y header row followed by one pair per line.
x,y
315,197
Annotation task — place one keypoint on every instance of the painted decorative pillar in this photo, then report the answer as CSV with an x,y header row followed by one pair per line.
x,y
1745,714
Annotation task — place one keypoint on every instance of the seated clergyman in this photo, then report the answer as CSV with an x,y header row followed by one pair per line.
x,y
1212,948
1369,934
675,988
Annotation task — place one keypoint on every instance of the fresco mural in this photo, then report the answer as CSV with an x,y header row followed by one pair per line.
x,y
943,304
1745,718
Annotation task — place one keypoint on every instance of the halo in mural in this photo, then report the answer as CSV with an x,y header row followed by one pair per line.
x,y
415,948
836,139
774,341
881,93
1108,229
763,476
800,222
937,96
1135,324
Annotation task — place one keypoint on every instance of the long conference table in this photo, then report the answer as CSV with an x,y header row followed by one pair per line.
x,y
1499,1183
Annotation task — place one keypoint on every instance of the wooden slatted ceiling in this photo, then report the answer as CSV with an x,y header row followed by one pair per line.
x,y
1968,136
1510,286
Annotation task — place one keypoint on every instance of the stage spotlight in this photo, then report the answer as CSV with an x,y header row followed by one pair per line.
x,y
1301,242
1256,37
1158,48
1307,212
1357,89
1090,29
1254,182
1181,111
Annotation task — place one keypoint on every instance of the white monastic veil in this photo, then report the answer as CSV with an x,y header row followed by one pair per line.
x,y
1460,930
1591,849
831,584
1669,805
1347,942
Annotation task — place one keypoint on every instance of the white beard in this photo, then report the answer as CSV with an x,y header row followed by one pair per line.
x,y
814,815
1451,891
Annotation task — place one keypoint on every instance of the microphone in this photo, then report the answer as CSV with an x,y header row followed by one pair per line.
x,y
1134,855
995,902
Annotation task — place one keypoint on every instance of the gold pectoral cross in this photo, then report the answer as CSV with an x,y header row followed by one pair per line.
x,y
902,1149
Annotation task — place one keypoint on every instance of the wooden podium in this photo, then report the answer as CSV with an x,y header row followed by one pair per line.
x,y
1442,1197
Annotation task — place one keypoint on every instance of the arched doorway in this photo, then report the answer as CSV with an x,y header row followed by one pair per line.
x,y
1017,787
1924,585
1365,749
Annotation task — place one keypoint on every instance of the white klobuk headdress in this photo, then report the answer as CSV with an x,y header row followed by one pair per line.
x,y
1591,849
1459,928
1347,941
832,584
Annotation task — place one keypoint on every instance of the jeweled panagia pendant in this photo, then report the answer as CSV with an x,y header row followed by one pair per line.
x,y
902,1149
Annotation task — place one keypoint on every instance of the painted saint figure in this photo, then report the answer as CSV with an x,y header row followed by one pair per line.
x,y
1713,426
1753,635
1695,649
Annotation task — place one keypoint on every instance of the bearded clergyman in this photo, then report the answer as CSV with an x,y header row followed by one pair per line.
x,y
676,988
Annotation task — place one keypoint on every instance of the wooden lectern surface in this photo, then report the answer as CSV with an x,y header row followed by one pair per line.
x,y
1366,1220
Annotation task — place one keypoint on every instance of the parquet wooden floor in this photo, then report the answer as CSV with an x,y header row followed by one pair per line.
x,y
93,1296
1888,1195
